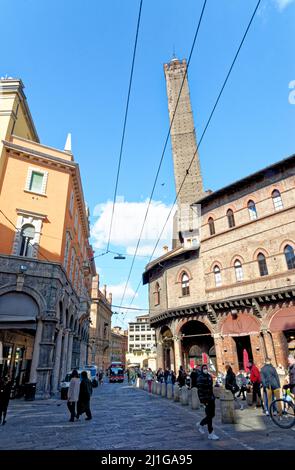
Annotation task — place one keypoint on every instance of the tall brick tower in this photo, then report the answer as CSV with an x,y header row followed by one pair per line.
x,y
183,138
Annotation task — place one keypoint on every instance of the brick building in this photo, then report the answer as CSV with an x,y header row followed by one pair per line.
x,y
228,284
46,261
118,345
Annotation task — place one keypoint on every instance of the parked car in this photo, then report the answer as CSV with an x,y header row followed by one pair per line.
x,y
64,386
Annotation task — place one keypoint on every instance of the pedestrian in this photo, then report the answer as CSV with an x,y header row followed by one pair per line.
x,y
194,377
207,398
271,384
149,378
230,380
242,383
128,375
84,396
256,383
291,384
73,394
181,377
5,391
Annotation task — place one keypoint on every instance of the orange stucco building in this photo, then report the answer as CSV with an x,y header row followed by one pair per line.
x,y
46,261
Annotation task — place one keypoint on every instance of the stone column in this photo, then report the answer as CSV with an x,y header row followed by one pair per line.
x,y
177,354
269,349
63,371
160,358
36,352
70,351
57,363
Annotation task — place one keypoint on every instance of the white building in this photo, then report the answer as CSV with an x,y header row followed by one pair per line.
x,y
141,343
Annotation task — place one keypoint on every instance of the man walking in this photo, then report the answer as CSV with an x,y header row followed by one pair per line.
x,y
84,396
270,382
256,382
207,398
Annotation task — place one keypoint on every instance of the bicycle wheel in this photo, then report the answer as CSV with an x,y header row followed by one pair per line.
x,y
286,418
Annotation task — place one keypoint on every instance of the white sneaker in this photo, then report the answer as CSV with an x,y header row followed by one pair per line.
x,y
200,428
275,413
267,413
213,437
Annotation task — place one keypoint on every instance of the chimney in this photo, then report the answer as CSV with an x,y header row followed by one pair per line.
x,y
165,248
110,298
104,290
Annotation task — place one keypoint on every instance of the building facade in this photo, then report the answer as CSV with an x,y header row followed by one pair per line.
x,y
100,326
141,343
119,344
235,289
46,261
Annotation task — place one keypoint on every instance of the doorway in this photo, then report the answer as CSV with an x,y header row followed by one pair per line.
x,y
243,342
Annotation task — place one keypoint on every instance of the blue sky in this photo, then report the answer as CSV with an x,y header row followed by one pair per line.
x,y
74,58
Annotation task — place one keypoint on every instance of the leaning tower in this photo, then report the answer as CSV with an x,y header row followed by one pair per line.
x,y
183,140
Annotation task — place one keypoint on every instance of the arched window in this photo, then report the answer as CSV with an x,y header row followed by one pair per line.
x,y
252,210
217,275
211,226
262,264
230,218
277,200
27,235
289,256
185,284
157,294
73,255
239,270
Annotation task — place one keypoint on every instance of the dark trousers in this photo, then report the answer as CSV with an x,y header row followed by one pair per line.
x,y
256,393
72,409
84,407
3,411
242,391
210,413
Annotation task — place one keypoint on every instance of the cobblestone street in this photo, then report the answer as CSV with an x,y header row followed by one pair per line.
x,y
128,418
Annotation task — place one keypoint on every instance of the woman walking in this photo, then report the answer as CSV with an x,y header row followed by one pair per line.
x,y
207,398
84,396
5,390
73,394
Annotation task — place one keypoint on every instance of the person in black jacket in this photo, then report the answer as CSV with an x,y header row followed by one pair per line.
x,y
194,377
181,377
5,390
207,398
83,405
230,380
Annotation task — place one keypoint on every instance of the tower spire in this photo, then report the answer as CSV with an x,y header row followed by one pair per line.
x,y
68,144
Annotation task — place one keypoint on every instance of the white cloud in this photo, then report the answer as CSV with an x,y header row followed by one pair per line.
x,y
282,4
127,223
118,289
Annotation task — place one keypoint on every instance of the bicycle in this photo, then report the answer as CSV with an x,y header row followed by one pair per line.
x,y
282,411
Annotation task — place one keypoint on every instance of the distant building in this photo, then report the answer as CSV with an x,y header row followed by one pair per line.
x,y
100,327
232,289
46,261
118,346
141,343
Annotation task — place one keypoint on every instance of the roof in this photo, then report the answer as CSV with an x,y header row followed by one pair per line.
x,y
244,182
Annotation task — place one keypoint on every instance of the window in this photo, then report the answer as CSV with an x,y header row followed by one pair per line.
x,y
72,202
136,337
262,264
148,338
136,327
76,221
230,218
131,337
239,271
72,263
142,327
217,275
277,200
185,284
36,181
131,328
252,210
211,226
27,235
67,249
142,337
157,294
289,256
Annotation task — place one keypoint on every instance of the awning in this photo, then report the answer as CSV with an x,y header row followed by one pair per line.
x,y
18,311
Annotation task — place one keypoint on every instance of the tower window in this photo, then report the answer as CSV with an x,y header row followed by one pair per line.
x,y
211,226
185,284
262,265
230,218
157,294
27,235
277,200
252,210
239,270
289,256
217,275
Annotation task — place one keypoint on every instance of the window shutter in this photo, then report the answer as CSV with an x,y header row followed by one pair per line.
x,y
44,182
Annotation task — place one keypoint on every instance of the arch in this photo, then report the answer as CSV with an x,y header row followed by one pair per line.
x,y
287,241
18,310
181,271
215,263
289,256
30,291
252,209
260,250
243,324
282,320
237,257
184,321
211,225
277,199
27,234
